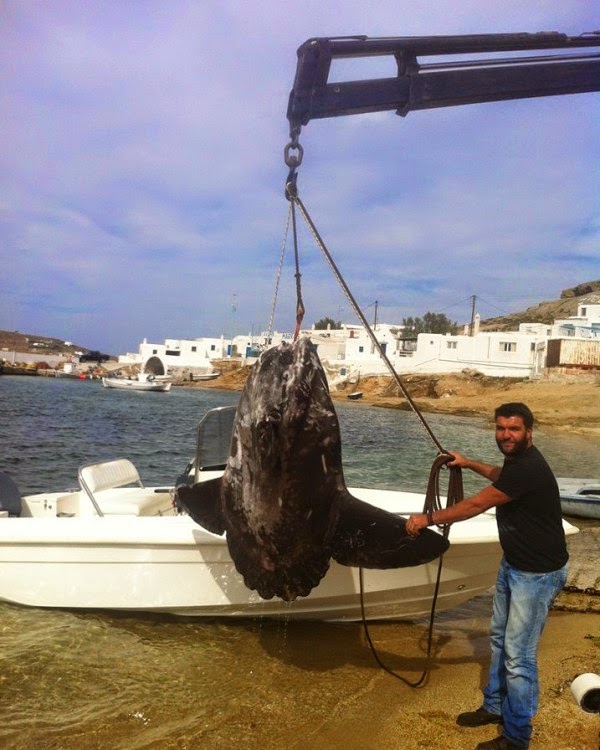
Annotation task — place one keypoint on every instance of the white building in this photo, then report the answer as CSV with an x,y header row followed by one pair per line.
x,y
349,351
201,352
174,353
500,354
571,342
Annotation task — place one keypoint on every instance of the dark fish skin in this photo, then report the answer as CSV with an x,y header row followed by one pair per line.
x,y
282,501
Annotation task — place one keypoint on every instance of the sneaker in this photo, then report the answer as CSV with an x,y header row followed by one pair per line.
x,y
478,718
500,743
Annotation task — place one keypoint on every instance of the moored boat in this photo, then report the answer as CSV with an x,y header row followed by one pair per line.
x,y
580,497
141,384
205,375
355,395
170,564
110,545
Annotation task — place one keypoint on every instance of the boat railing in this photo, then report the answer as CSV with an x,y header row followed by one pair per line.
x,y
212,444
213,440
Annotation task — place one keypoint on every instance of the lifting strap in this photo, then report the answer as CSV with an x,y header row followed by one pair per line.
x,y
432,503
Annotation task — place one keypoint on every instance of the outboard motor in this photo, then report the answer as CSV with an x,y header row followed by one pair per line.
x,y
10,497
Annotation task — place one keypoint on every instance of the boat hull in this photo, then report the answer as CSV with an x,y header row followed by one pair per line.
x,y
137,385
170,564
580,497
581,506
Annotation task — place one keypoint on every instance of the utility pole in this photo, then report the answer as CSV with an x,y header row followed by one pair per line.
x,y
233,312
375,318
472,324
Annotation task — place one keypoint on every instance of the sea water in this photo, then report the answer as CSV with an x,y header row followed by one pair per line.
x,y
102,681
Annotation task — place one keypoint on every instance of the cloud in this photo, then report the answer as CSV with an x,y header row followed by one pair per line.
x,y
141,172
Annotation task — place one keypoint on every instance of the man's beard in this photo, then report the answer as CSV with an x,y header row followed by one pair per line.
x,y
512,448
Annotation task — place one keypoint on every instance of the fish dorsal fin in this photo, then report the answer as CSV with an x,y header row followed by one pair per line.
x,y
203,503
370,537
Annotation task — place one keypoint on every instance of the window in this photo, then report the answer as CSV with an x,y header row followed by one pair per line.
x,y
194,349
451,344
508,346
583,312
172,353
361,349
212,347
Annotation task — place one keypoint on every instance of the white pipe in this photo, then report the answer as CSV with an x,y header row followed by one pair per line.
x,y
586,691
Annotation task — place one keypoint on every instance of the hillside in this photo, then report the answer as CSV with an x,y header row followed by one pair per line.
x,y
547,312
14,341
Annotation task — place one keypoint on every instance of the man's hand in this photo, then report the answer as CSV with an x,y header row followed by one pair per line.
x,y
458,460
416,524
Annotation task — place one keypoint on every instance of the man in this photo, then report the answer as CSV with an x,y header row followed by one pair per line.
x,y
532,572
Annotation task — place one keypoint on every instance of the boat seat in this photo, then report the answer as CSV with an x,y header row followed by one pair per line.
x,y
99,479
10,497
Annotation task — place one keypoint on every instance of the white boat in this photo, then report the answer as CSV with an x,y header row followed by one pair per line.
x,y
205,375
142,383
580,497
116,547
355,395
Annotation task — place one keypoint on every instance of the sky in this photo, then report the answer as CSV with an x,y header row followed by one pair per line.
x,y
142,173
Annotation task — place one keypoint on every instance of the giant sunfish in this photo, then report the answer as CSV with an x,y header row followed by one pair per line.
x,y
282,501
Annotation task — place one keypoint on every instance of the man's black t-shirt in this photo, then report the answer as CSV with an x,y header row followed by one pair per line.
x,y
530,525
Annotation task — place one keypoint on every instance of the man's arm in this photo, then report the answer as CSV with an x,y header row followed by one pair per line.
x,y
487,498
485,470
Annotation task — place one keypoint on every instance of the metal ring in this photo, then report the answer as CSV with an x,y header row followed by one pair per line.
x,y
293,161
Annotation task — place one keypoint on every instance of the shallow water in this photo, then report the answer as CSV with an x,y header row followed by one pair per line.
x,y
74,681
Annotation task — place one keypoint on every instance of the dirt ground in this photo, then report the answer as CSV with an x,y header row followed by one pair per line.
x,y
567,403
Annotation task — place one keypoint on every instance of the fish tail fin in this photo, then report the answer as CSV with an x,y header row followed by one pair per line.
x,y
369,537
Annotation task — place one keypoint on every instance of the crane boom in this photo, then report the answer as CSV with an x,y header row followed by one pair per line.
x,y
570,66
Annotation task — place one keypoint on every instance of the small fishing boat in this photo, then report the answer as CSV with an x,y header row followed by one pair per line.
x,y
580,497
114,544
70,557
355,395
142,383
206,375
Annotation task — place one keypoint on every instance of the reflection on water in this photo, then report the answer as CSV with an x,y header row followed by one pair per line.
x,y
74,681
105,681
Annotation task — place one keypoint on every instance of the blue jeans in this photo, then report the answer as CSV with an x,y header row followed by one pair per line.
x,y
521,604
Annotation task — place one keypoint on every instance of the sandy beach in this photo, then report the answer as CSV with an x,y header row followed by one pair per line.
x,y
388,715
379,711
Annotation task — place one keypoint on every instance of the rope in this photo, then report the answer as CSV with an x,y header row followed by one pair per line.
x,y
278,275
295,199
432,502
297,275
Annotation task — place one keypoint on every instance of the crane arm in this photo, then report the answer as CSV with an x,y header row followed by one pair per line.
x,y
570,66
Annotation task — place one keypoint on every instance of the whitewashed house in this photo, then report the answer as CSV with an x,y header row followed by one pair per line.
x,y
499,354
574,343
179,353
349,353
